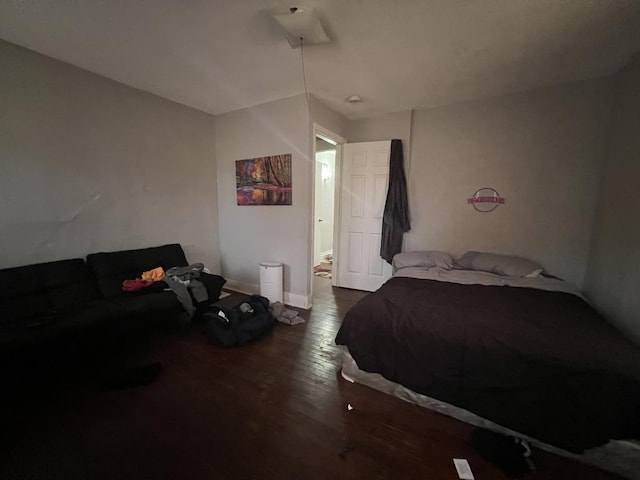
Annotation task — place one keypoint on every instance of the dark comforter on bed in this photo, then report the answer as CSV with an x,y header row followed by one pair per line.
x,y
542,363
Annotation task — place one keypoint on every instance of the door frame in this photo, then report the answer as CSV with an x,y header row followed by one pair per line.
x,y
325,132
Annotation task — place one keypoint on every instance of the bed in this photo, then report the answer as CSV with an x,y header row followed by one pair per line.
x,y
491,340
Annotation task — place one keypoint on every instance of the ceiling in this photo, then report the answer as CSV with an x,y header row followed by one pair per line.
x,y
223,55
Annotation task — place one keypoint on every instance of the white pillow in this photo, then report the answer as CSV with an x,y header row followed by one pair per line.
x,y
428,259
506,265
534,274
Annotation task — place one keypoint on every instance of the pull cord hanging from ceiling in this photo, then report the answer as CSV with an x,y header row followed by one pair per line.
x,y
304,76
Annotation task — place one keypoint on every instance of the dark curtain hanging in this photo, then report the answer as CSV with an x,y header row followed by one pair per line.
x,y
396,209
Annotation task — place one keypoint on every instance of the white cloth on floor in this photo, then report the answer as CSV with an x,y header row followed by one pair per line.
x,y
284,314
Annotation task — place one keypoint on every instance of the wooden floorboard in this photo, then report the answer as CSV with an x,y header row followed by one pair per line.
x,y
275,409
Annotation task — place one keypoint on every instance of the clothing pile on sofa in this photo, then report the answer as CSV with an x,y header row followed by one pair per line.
x,y
191,284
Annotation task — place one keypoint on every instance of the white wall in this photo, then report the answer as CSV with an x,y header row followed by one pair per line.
x,y
251,234
384,127
87,164
613,275
542,150
327,118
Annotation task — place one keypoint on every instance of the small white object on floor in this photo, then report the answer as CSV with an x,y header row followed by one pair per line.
x,y
349,407
463,469
284,314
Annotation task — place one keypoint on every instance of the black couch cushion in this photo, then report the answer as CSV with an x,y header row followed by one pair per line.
x,y
45,330
150,304
43,289
112,268
100,319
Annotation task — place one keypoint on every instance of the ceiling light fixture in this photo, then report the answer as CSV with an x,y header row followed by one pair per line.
x,y
303,24
354,99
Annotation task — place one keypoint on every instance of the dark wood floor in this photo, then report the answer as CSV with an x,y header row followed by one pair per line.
x,y
276,409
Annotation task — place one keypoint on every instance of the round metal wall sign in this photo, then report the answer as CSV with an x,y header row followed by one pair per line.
x,y
486,200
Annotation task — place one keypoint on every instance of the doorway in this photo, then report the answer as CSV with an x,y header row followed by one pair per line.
x,y
324,205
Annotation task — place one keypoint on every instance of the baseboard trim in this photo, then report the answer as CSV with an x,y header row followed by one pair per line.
x,y
291,299
242,287
300,301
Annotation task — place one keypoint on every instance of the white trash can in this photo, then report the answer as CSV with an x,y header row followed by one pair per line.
x,y
271,281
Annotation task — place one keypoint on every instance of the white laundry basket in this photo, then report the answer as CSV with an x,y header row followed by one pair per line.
x,y
271,281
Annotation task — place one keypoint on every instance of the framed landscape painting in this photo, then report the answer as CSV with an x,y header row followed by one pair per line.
x,y
264,180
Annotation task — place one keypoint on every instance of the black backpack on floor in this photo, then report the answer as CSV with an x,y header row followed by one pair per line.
x,y
240,324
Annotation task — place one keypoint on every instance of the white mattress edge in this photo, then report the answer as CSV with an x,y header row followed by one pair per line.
x,y
621,457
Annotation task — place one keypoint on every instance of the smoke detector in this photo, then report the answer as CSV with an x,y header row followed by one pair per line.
x,y
302,24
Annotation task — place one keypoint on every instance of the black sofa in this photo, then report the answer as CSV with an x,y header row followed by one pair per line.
x,y
59,309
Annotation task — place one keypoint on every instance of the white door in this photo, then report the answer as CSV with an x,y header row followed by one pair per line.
x,y
363,192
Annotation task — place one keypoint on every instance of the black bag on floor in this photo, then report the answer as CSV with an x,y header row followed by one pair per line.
x,y
239,325
509,454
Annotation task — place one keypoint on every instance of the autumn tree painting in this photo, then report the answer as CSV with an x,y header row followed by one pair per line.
x,y
264,180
